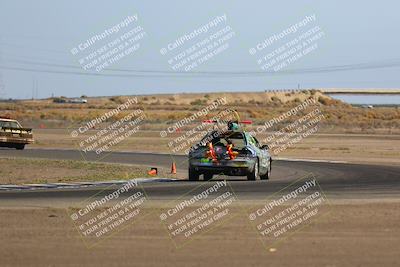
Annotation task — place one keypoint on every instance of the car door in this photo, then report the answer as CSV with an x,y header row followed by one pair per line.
x,y
263,154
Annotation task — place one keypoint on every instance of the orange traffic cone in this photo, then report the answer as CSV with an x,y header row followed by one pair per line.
x,y
173,168
152,172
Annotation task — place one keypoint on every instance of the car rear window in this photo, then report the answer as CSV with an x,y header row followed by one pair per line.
x,y
9,124
236,139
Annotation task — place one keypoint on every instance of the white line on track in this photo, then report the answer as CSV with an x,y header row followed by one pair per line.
x,y
82,184
311,160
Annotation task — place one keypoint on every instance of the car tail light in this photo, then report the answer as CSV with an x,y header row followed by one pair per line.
x,y
229,150
210,153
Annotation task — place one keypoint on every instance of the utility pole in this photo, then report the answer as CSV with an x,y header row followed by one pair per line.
x,y
35,89
2,86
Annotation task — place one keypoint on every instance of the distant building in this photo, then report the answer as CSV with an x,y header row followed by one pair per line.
x,y
73,100
77,101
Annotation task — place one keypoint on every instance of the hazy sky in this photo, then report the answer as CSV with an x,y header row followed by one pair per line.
x,y
36,38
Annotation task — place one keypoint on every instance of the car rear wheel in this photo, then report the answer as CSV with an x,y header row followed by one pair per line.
x,y
254,175
20,147
193,175
266,175
208,176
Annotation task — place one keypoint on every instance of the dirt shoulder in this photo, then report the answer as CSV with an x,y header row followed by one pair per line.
x,y
355,148
351,235
29,170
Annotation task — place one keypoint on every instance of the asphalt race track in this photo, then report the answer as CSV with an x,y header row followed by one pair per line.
x,y
337,180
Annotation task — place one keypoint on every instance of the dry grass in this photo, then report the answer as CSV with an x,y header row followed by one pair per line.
x,y
162,110
51,171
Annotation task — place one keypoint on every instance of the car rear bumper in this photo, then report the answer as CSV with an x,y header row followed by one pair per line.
x,y
239,166
12,140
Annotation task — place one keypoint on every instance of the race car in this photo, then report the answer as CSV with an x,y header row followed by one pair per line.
x,y
232,152
13,135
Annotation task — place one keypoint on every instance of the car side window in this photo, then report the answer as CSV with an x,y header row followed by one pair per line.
x,y
254,141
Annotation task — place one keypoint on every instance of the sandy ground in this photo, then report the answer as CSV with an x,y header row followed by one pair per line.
x,y
362,233
53,171
355,148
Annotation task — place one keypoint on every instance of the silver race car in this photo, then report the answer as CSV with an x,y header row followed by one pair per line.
x,y
232,152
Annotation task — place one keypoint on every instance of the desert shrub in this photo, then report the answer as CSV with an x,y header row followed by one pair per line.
x,y
59,100
198,102
323,101
117,99
253,114
275,99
